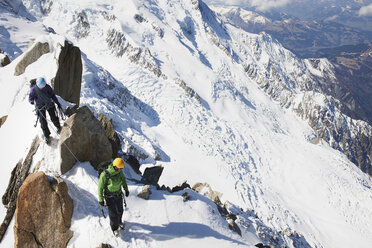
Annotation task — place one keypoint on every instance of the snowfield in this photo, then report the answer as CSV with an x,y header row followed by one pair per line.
x,y
235,137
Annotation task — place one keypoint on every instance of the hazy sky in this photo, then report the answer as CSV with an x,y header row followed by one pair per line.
x,y
260,4
268,4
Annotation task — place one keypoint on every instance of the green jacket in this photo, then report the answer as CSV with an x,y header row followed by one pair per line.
x,y
116,180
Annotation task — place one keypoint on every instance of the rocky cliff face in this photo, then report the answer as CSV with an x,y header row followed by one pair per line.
x,y
353,85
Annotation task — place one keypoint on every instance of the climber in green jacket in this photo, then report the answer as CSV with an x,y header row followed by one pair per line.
x,y
110,184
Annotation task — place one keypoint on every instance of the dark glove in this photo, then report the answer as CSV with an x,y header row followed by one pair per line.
x,y
102,203
32,102
126,193
59,105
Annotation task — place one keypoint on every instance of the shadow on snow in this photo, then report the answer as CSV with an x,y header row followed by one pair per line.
x,y
171,231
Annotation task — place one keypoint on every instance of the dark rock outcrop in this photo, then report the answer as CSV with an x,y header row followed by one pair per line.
x,y
67,83
19,173
44,211
110,133
260,245
83,135
119,46
152,175
133,162
183,186
46,6
82,26
189,91
104,246
31,56
4,59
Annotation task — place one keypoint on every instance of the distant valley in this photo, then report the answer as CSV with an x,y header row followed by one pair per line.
x,y
349,49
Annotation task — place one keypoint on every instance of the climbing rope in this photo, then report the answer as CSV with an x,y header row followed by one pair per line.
x,y
68,148
53,128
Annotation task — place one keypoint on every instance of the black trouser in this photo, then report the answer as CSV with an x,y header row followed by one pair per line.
x,y
43,121
115,209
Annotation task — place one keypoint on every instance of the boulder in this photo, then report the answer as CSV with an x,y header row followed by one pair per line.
x,y
67,82
33,54
110,133
82,136
44,211
152,175
4,59
145,193
206,190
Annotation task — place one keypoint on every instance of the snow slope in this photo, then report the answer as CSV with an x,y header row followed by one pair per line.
x,y
162,222
236,138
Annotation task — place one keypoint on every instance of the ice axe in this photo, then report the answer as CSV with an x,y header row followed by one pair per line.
x,y
103,213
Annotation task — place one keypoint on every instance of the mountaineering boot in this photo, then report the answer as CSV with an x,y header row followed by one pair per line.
x,y
121,226
48,140
116,233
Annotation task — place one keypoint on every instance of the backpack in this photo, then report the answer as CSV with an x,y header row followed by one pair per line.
x,y
102,167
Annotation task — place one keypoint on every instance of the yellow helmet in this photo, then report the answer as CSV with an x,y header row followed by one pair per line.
x,y
118,163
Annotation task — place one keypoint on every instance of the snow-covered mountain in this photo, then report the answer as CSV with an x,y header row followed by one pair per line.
x,y
302,37
352,13
208,101
354,143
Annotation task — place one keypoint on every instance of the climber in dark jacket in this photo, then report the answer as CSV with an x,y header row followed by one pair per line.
x,y
44,97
